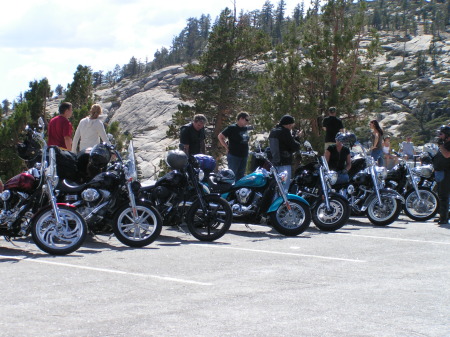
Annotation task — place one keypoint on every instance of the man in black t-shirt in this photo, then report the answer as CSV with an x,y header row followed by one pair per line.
x,y
192,136
237,146
332,125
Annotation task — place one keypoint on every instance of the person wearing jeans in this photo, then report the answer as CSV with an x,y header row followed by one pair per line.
x,y
237,145
377,142
282,146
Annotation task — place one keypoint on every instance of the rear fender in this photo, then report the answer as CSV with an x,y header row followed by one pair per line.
x,y
276,204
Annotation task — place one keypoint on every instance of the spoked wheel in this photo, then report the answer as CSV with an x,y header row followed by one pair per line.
x,y
333,218
137,230
423,208
385,214
58,238
293,221
212,224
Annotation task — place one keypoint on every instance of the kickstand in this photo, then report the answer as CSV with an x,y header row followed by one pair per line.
x,y
8,239
248,226
182,230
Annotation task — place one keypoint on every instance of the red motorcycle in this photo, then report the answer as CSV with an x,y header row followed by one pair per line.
x,y
29,203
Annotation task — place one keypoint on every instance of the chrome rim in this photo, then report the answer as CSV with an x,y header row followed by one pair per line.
x,y
290,219
383,212
422,207
59,236
141,228
330,216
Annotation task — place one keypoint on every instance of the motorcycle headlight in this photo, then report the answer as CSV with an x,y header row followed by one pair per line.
x,y
90,194
201,175
5,195
381,172
332,177
425,171
350,189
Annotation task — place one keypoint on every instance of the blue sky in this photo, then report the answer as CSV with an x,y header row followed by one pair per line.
x,y
50,38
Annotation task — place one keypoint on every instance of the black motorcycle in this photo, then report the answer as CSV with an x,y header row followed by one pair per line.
x,y
366,193
109,200
313,181
414,184
29,203
180,197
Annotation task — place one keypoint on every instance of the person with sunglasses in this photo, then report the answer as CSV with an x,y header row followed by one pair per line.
x,y
441,163
234,138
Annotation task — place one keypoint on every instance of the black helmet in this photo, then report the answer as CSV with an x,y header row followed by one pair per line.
x,y
225,176
340,137
176,159
29,149
99,155
350,138
445,129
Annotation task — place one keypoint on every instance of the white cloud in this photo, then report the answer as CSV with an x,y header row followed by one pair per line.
x,y
49,38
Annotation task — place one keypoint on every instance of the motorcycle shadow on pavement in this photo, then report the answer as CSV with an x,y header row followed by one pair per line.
x,y
357,221
105,242
24,248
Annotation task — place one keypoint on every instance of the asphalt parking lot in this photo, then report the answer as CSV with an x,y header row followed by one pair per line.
x,y
359,281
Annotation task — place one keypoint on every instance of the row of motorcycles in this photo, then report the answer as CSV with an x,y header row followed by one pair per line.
x,y
61,197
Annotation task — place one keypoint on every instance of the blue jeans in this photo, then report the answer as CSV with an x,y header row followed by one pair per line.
x,y
378,156
342,178
237,165
287,168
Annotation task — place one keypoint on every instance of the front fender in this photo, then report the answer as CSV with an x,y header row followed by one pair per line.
x,y
278,201
384,192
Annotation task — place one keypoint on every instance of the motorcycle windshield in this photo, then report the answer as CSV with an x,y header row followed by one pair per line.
x,y
131,172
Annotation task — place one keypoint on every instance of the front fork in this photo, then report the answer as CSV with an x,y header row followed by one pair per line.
x,y
324,188
281,189
51,196
132,200
413,183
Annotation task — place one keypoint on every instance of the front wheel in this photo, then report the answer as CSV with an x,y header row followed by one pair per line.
x,y
291,220
333,218
423,208
137,230
212,224
58,238
385,214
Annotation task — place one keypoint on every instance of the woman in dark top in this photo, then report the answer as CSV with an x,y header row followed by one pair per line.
x,y
377,142
339,159
441,163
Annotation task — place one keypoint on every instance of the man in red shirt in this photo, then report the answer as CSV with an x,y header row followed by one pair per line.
x,y
60,129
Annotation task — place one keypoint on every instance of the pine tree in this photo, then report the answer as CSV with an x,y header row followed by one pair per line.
x,y
37,97
10,162
80,91
330,71
6,105
220,93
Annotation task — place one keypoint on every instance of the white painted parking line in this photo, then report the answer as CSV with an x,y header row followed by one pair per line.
x,y
112,271
283,253
395,239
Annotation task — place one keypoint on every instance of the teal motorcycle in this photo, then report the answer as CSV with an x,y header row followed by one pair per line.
x,y
261,194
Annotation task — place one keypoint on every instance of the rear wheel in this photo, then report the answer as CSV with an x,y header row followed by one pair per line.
x,y
212,224
385,214
140,230
421,209
333,218
293,221
58,238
